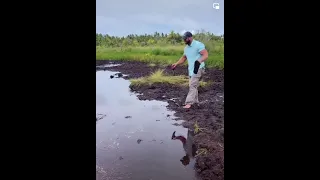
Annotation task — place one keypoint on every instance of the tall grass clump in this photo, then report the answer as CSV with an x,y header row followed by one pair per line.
x,y
160,77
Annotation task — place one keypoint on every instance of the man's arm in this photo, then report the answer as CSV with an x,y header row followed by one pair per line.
x,y
204,56
204,53
182,60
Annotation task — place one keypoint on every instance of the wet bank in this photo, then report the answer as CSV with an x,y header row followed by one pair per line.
x,y
134,138
209,114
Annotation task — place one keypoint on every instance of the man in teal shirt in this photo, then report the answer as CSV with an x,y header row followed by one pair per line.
x,y
196,54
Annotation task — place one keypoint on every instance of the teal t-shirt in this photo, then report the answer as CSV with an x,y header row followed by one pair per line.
x,y
192,53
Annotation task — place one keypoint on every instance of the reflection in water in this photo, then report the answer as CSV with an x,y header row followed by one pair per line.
x,y
130,142
188,146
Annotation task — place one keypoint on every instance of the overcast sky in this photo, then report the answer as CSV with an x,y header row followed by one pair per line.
x,y
123,17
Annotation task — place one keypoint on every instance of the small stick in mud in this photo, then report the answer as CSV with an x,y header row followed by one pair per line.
x,y
221,146
201,151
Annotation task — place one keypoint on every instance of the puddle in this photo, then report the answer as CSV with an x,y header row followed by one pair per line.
x,y
134,139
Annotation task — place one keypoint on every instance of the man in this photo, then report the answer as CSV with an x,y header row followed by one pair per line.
x,y
196,54
188,146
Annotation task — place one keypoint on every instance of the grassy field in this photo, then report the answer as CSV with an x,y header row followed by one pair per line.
x,y
158,55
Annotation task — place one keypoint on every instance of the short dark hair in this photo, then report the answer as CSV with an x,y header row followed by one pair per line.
x,y
187,35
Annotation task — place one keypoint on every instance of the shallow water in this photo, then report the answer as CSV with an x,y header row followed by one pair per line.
x,y
133,138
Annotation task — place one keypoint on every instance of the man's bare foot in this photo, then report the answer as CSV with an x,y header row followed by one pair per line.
x,y
187,106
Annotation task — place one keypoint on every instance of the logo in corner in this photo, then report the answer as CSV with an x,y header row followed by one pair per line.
x,y
215,6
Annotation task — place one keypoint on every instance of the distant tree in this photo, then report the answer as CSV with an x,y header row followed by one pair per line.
x,y
160,39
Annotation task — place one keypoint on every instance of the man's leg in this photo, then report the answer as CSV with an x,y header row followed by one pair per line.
x,y
201,71
196,99
192,96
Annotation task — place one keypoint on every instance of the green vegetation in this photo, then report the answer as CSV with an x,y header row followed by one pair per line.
x,y
160,77
197,129
157,48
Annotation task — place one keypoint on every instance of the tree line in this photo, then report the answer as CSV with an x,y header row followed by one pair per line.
x,y
156,38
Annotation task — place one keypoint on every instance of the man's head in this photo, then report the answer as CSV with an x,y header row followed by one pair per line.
x,y
185,160
187,37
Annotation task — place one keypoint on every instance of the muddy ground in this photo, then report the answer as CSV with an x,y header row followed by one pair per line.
x,y
209,113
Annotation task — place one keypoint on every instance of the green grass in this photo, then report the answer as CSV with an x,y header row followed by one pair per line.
x,y
159,77
158,55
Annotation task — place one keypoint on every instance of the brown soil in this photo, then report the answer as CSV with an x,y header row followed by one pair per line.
x,y
209,113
